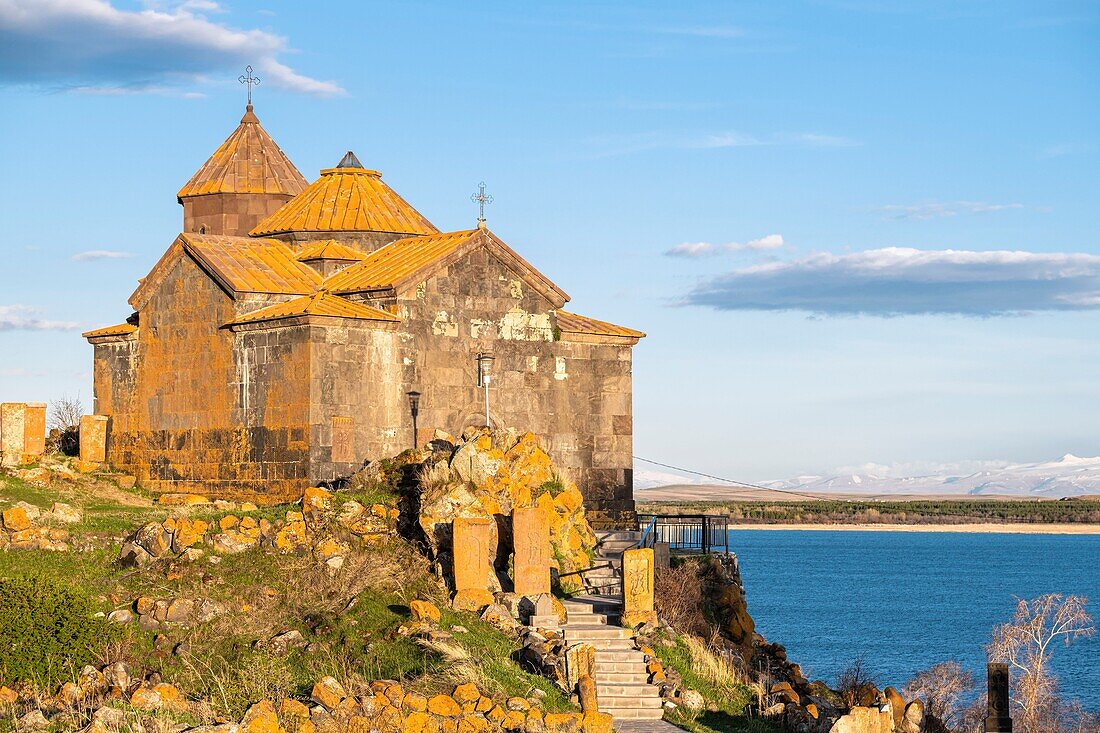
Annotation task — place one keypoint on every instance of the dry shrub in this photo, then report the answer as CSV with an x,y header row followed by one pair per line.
x,y
854,683
720,669
941,687
679,594
435,478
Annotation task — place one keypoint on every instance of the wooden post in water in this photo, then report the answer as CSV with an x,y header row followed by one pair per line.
x,y
998,718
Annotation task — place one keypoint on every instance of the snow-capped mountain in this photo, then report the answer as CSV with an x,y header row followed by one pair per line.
x,y
1070,475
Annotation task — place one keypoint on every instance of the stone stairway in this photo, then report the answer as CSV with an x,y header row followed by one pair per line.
x,y
608,581
622,686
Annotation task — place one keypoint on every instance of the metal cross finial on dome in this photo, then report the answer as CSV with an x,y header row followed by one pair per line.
x,y
481,198
250,81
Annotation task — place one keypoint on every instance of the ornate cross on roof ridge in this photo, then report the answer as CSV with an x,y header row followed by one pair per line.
x,y
250,81
481,198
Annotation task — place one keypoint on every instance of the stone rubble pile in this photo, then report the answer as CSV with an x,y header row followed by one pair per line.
x,y
385,706
27,527
322,529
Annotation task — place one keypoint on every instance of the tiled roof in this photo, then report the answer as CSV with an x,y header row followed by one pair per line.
x,y
573,323
248,265
398,260
346,199
248,161
321,303
120,330
239,264
330,249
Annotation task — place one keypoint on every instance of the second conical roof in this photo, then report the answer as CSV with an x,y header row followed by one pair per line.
x,y
346,198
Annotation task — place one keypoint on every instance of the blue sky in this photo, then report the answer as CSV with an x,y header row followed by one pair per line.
x,y
854,231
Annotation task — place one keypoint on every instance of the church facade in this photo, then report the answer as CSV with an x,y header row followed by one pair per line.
x,y
275,344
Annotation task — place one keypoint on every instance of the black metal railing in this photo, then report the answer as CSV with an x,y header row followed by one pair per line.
x,y
688,533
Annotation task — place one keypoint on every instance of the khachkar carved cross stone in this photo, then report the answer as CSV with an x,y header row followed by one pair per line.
x,y
638,587
473,544
531,540
249,80
999,718
481,198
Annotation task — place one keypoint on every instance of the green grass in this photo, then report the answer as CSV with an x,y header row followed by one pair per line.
x,y
731,698
265,594
493,653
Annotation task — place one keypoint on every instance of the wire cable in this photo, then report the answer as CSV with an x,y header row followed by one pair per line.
x,y
727,480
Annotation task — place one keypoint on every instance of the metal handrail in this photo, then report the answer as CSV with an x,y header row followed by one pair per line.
x,y
648,535
582,571
704,533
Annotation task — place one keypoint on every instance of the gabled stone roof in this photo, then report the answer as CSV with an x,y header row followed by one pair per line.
x,y
249,161
238,264
122,329
321,303
571,323
403,262
346,199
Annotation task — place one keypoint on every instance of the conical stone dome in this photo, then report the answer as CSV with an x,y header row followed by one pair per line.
x,y
246,179
347,199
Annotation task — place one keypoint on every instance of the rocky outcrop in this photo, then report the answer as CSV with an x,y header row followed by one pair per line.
x,y
487,474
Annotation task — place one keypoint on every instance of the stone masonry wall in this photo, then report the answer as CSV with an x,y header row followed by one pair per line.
x,y
359,407
207,411
574,396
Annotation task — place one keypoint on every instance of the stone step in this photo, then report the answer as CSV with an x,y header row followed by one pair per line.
x,y
578,632
584,619
620,665
616,546
631,701
627,677
627,691
605,644
594,605
633,713
618,655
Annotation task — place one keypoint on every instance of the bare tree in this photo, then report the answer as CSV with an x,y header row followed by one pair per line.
x,y
1026,644
65,413
941,687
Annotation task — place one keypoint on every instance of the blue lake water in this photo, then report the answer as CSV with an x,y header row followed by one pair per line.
x,y
906,600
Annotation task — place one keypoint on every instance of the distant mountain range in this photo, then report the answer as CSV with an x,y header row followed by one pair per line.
x,y
1067,476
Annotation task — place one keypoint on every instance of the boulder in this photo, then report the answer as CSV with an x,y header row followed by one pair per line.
x,y
912,719
328,692
864,720
897,704
153,538
424,611
16,519
64,513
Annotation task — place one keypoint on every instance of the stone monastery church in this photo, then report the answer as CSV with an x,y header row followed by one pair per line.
x,y
275,344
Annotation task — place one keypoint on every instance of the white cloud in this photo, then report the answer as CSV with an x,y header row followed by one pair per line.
x,y
695,250
629,143
901,281
943,209
22,372
26,318
92,45
101,254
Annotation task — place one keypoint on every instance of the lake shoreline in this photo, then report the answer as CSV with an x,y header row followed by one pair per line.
x,y
972,528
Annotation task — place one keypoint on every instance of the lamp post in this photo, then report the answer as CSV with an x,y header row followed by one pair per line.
x,y
414,410
484,377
